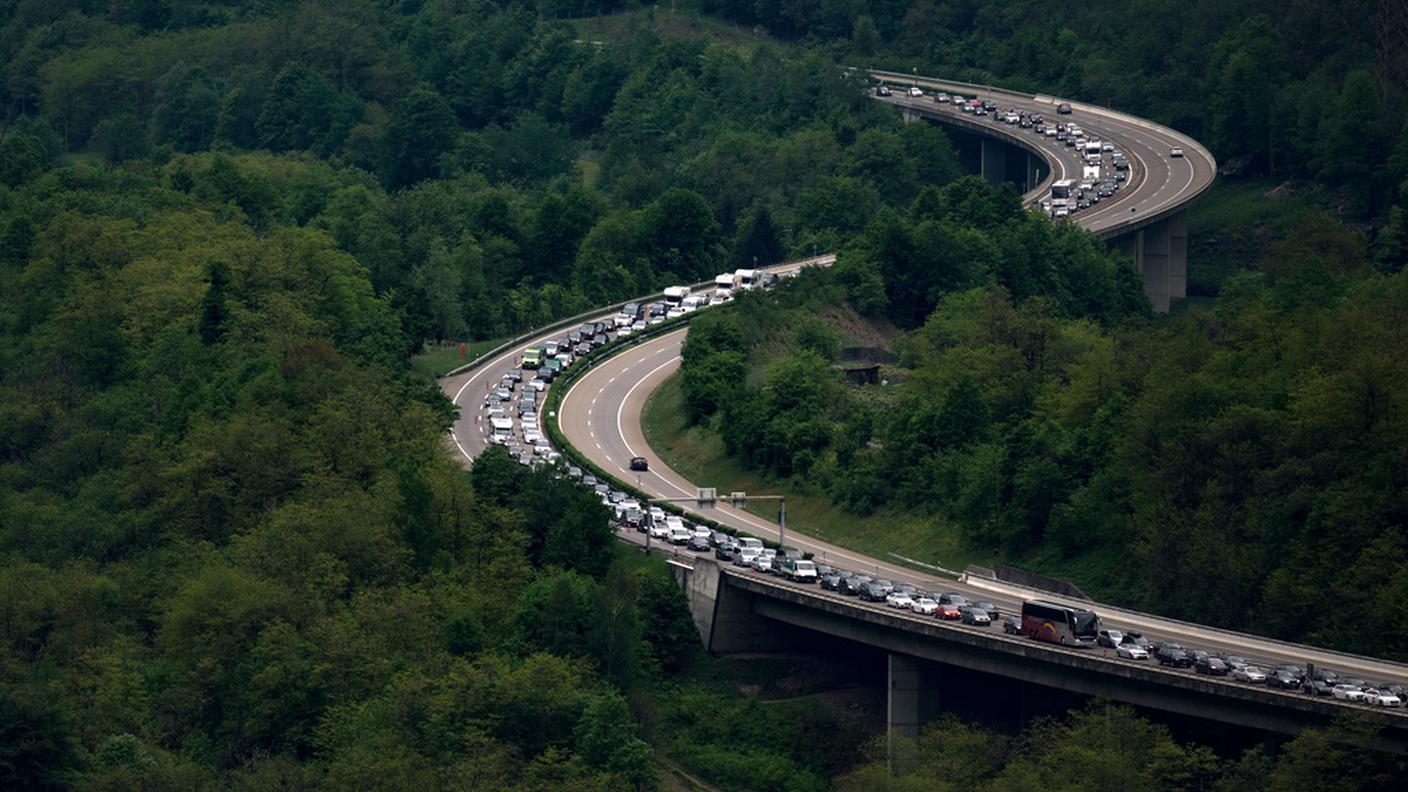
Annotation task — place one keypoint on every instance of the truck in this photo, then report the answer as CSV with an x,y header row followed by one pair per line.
x,y
746,278
532,357
724,285
1063,197
502,430
799,570
1090,173
674,295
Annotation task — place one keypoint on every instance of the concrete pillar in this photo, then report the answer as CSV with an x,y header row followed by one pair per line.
x,y
1177,256
912,700
1157,254
994,161
724,616
1033,173
908,115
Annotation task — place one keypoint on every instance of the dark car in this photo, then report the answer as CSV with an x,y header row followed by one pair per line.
x,y
1171,654
1233,662
876,590
1326,675
631,309
1283,679
1012,625
1198,655
1319,687
975,616
952,598
1292,670
1064,108
991,609
852,585
699,544
718,538
1138,640
882,90
1212,666
830,581
725,550
823,570
1109,638
639,463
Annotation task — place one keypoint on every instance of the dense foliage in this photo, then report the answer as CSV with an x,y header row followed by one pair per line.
x,y
488,167
1109,747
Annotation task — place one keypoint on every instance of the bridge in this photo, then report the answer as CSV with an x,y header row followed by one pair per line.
x,y
1146,220
599,418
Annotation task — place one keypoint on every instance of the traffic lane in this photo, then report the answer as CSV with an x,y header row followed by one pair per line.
x,y
1068,163
995,630
629,372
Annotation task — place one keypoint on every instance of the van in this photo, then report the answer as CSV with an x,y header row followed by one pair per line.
x,y
502,429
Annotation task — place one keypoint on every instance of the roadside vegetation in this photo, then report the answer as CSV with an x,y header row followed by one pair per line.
x,y
237,238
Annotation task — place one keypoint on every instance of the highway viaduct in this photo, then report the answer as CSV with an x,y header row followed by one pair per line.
x,y
1147,221
739,611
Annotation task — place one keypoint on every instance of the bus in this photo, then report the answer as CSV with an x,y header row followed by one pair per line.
x,y
1059,624
532,357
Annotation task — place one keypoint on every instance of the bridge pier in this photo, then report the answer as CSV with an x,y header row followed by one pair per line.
x,y
1033,174
912,700
1160,251
723,615
993,161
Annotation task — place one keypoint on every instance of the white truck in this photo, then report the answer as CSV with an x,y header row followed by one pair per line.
x,y
724,285
502,429
674,295
746,279
1090,173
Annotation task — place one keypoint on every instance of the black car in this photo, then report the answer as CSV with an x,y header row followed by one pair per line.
x,y
1012,625
876,591
993,613
724,552
882,90
1212,666
1063,108
639,463
830,581
1319,687
852,585
1285,680
1293,671
1171,654
699,544
952,598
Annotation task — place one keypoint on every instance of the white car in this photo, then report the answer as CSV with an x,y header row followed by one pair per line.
x,y
915,90
1381,698
1176,151
679,535
623,331
1249,673
762,563
1348,693
925,606
674,313
899,599
1131,652
659,530
1107,146
538,385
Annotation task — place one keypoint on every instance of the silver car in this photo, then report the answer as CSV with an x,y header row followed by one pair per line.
x,y
1249,673
1130,651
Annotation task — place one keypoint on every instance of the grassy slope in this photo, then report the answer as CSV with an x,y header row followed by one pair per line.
x,y
434,361
1230,227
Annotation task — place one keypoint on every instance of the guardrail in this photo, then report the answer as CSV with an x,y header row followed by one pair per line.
x,y
1187,142
563,324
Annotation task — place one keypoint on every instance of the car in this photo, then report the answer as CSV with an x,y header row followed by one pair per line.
x,y
1381,698
952,598
975,616
1131,651
1344,692
852,585
882,90
1173,655
899,599
948,611
574,472
1212,666
1249,673
1326,675
725,551
601,489
992,611
958,100
915,90
1282,679
639,463
924,606
1012,625
761,563
1294,671
1175,151
1063,108
589,480
941,97
1319,687
1109,638
876,590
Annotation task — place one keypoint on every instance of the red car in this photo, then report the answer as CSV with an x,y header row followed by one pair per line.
x,y
948,610
639,463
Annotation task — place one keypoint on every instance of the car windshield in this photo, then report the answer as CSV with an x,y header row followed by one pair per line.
x,y
804,566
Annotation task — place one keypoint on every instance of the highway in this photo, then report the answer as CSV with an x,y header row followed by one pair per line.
x,y
1157,184
600,414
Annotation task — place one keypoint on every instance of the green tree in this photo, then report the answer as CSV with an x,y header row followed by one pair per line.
x,y
422,128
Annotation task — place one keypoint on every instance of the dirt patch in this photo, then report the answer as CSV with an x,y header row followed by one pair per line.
x,y
856,330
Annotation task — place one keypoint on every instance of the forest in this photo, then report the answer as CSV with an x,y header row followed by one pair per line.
x,y
236,554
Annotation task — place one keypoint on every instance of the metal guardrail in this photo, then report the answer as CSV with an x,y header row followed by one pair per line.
x,y
1084,107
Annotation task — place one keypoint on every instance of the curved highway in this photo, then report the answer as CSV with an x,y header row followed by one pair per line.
x,y
1158,183
600,417
600,414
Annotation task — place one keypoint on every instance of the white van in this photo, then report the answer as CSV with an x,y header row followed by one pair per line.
x,y
502,429
746,279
